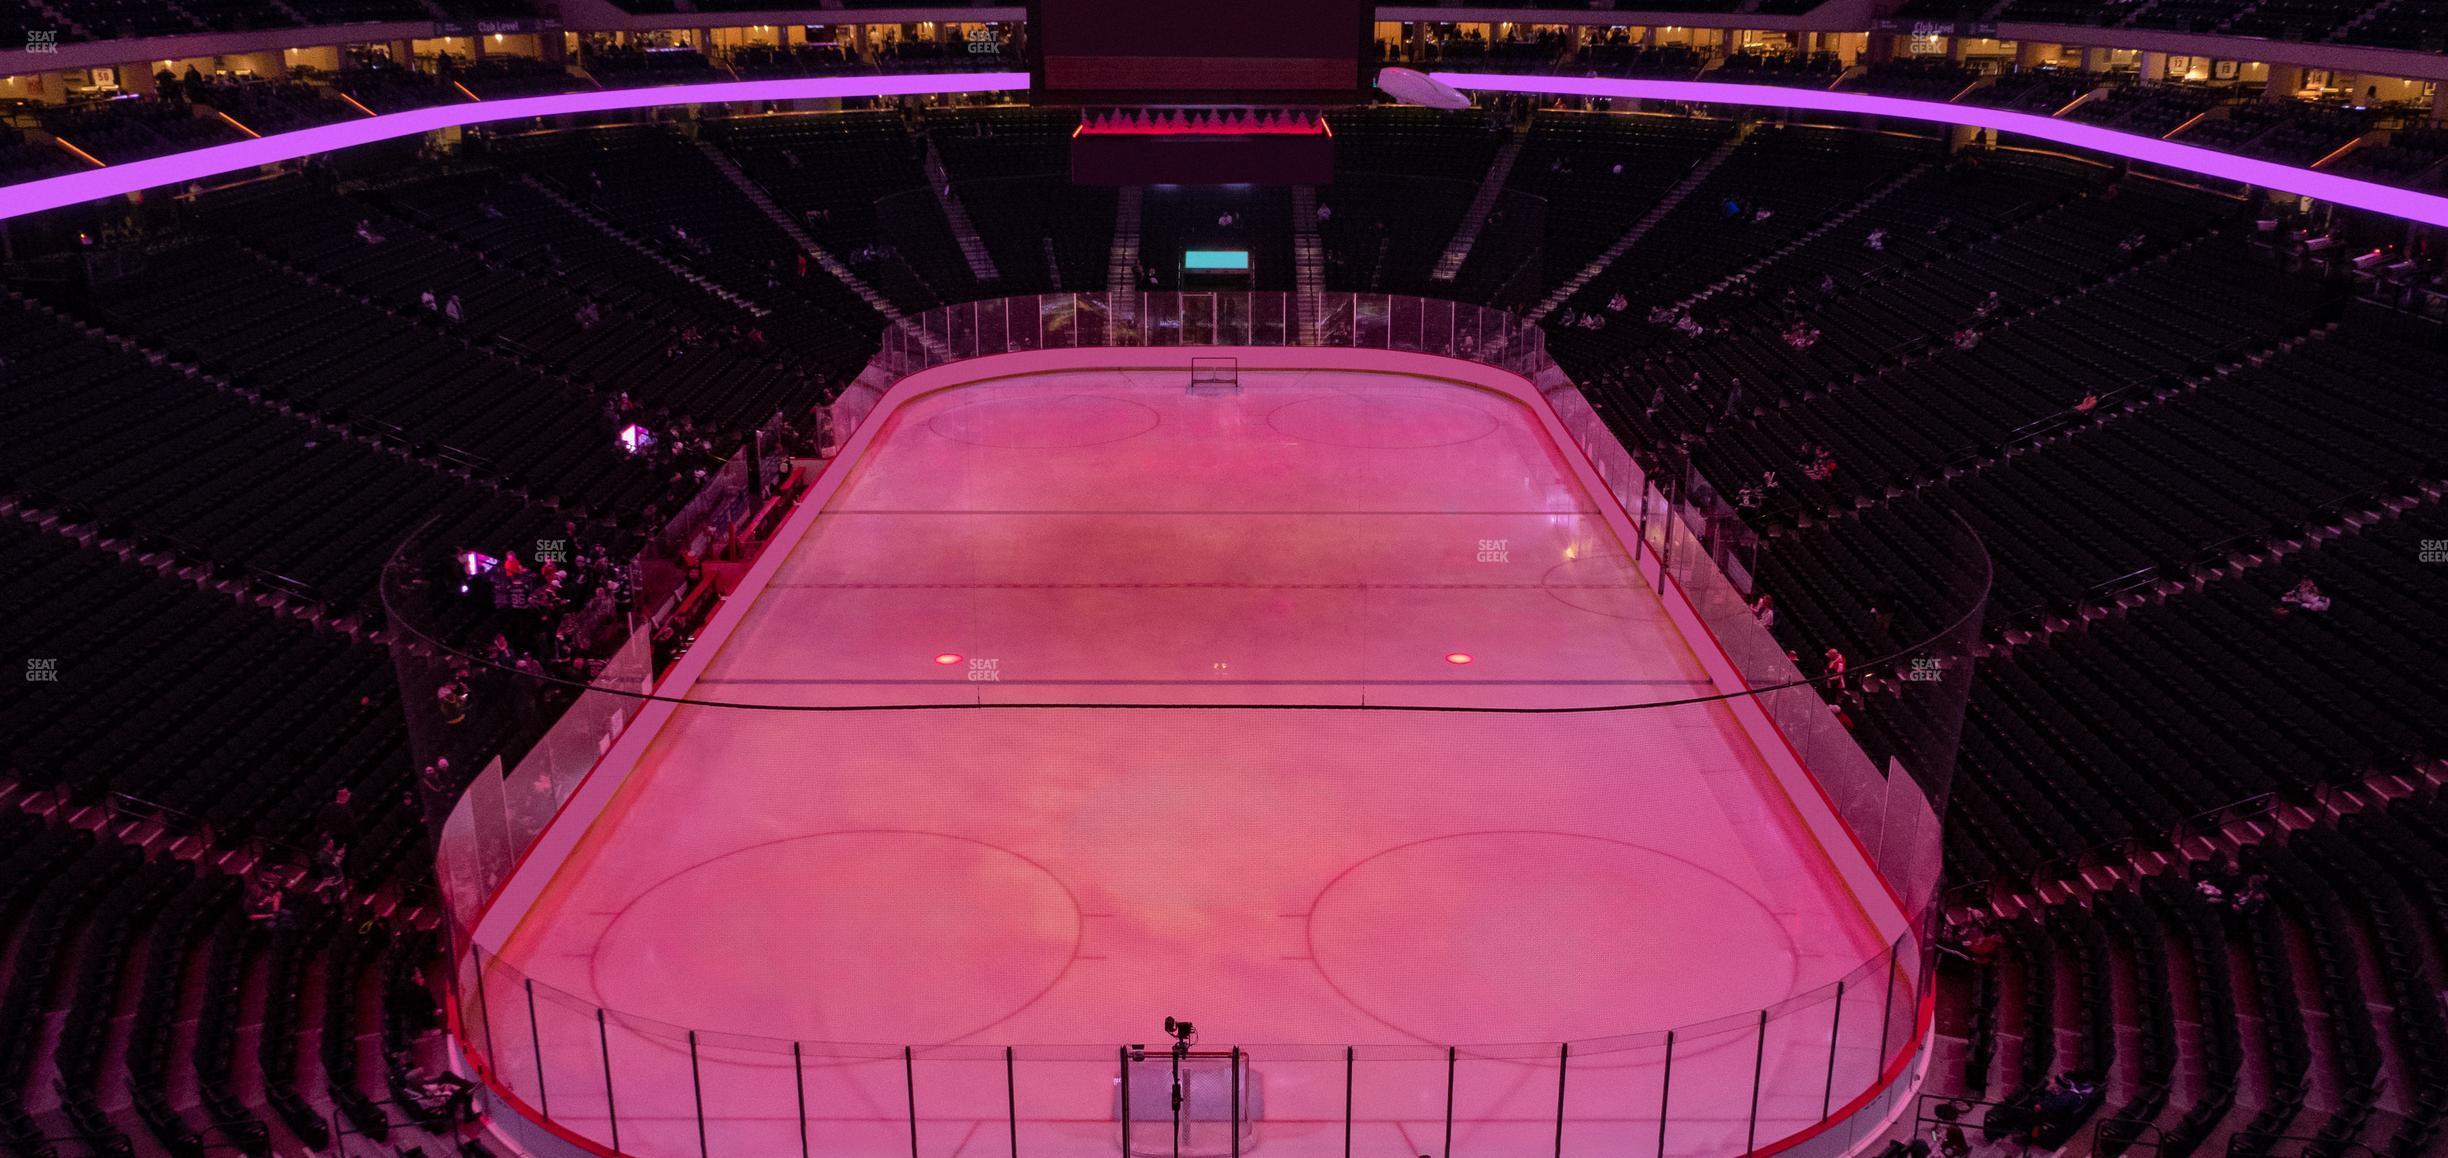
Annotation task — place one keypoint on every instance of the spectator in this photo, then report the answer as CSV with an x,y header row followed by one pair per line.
x,y
1983,944
329,882
2306,596
452,699
1764,610
265,904
451,309
338,819
435,778
1947,1133
2061,1101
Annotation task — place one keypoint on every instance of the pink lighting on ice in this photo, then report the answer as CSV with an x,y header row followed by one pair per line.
x,y
966,879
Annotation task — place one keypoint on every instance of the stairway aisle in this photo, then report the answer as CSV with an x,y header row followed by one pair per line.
x,y
964,231
790,228
1500,169
1665,205
1308,263
1122,267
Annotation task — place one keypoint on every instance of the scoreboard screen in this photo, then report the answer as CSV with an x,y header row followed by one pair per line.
x,y
1156,52
1216,260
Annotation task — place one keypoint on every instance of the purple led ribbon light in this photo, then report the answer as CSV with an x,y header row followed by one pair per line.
x,y
2424,207
181,168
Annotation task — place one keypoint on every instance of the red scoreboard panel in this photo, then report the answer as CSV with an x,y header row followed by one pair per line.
x,y
1188,52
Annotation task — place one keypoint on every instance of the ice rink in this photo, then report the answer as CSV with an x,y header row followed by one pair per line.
x,y
1045,860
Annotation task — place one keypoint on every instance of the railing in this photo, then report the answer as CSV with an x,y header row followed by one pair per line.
x,y
2113,1136
1362,321
2207,824
2260,1145
1816,1074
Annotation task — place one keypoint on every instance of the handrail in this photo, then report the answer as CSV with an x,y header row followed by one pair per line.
x,y
2057,868
2116,1135
132,804
2253,1142
2109,588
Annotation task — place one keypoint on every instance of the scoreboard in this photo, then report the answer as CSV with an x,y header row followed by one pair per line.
x,y
1192,52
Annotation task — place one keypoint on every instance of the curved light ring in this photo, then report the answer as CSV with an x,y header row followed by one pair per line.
x,y
2371,195
181,168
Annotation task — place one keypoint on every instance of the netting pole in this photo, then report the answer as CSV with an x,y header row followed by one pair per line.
x,y
1665,536
1665,1090
1348,1056
535,1037
1887,1013
492,1061
1123,1053
697,1090
1452,1054
1236,1101
603,1042
1759,1062
1640,526
1827,1095
1011,1099
799,1086
909,1089
1563,1059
